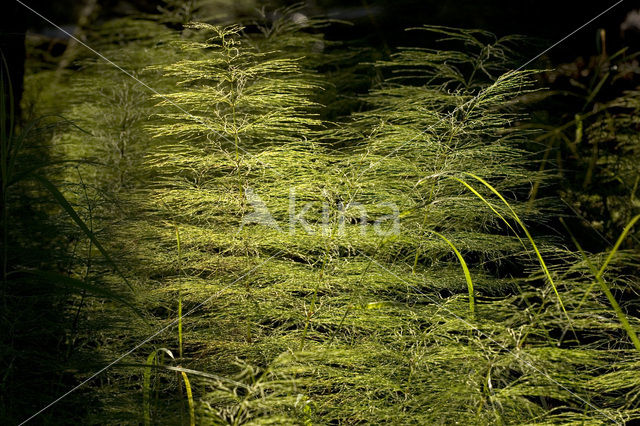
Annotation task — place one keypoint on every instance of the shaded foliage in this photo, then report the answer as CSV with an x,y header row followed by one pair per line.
x,y
195,184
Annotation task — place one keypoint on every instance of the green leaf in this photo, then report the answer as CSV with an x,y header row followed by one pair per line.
x,y
62,201
74,283
146,383
465,269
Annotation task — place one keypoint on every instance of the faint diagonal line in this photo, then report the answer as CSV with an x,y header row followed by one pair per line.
x,y
570,34
280,251
147,340
474,98
442,306
517,356
166,99
171,324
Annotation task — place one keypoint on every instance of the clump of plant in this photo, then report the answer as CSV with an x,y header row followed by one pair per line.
x,y
384,268
590,137
47,270
238,135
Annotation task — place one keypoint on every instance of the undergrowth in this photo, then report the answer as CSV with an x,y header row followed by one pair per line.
x,y
388,266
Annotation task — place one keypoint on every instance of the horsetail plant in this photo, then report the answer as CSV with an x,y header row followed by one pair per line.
x,y
361,315
598,273
524,228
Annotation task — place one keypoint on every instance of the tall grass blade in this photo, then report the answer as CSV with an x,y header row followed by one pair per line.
x,y
62,201
146,383
493,209
179,293
616,246
465,269
192,413
76,284
603,284
543,265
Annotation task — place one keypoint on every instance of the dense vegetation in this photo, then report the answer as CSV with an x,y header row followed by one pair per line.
x,y
242,236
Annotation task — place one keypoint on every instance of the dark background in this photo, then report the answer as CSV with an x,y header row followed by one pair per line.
x,y
379,22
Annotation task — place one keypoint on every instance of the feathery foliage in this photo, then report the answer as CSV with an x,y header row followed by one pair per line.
x,y
353,271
